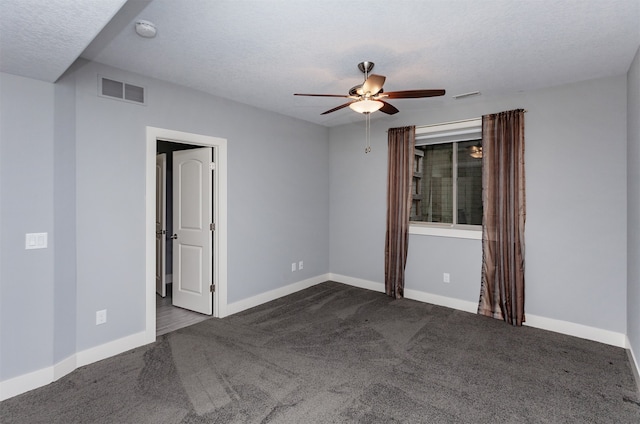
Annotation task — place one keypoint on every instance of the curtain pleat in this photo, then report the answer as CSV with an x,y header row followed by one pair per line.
x,y
504,213
399,178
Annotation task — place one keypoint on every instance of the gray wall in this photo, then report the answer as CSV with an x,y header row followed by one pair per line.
x,y
73,164
292,196
576,203
26,206
633,204
64,213
278,193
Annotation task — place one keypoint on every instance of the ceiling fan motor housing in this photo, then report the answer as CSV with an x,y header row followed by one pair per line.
x,y
366,67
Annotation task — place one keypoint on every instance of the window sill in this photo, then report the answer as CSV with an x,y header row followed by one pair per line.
x,y
446,230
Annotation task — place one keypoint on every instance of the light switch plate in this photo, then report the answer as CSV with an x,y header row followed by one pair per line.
x,y
35,241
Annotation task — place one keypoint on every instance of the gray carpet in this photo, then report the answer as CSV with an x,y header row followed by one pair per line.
x,y
338,354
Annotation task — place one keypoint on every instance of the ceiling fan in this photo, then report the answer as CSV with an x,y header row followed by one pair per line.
x,y
369,96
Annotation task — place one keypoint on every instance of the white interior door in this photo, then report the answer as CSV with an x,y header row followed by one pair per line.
x,y
192,241
161,228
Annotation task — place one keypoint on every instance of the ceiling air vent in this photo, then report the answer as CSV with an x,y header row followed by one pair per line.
x,y
121,90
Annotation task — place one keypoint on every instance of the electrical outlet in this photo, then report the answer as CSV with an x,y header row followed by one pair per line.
x,y
293,267
446,277
101,317
300,265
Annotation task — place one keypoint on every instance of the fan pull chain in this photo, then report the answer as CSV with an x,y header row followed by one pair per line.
x,y
367,147
367,133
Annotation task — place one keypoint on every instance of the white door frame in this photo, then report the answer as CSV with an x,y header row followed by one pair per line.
x,y
220,213
161,218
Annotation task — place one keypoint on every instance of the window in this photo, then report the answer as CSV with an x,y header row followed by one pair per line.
x,y
447,177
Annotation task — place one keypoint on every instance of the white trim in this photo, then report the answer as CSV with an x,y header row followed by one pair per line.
x,y
25,382
577,330
30,381
448,230
112,348
563,327
357,282
65,367
244,304
435,299
633,360
150,245
220,205
420,296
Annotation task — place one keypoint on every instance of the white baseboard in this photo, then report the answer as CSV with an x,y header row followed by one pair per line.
x,y
435,299
420,296
107,350
564,327
357,282
23,383
578,330
244,304
633,360
64,367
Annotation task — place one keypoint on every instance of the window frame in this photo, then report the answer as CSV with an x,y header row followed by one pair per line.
x,y
448,132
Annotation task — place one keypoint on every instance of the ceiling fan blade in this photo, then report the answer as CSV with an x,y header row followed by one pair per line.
x,y
322,95
373,84
336,108
412,94
388,108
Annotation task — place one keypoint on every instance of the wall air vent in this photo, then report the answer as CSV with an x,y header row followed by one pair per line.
x,y
111,88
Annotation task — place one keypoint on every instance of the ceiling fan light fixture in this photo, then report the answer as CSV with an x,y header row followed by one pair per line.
x,y
366,105
365,98
475,152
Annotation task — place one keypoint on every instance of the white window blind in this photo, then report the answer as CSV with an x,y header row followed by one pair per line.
x,y
470,129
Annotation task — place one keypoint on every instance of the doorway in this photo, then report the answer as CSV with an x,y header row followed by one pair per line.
x,y
189,300
185,141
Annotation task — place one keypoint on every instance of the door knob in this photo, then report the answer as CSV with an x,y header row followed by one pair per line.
x,y
175,236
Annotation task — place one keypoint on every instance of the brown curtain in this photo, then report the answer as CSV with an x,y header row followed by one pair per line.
x,y
503,201
399,178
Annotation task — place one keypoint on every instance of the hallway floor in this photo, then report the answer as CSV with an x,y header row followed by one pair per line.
x,y
170,318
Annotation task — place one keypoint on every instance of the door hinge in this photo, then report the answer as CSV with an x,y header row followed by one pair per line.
x,y
212,166
212,288
212,227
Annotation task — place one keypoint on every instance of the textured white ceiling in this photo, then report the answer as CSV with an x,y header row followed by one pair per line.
x,y
260,52
41,38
